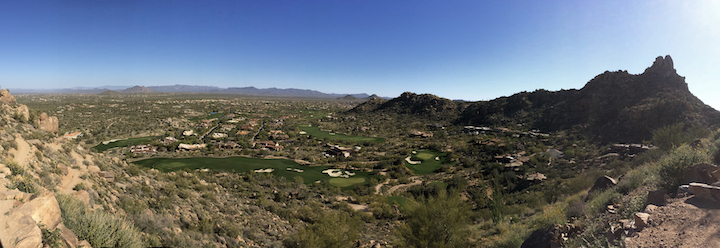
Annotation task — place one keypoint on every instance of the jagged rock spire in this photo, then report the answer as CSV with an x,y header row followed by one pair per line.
x,y
663,66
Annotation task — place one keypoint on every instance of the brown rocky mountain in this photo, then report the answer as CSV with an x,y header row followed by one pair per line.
x,y
612,107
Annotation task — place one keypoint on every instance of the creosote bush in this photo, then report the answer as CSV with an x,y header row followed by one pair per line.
x,y
672,167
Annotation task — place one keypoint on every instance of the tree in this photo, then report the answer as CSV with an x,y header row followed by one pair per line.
x,y
438,221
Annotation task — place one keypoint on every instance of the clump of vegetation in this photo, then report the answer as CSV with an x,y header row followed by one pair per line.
x,y
673,166
99,228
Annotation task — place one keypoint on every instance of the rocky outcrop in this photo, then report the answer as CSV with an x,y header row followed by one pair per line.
x,y
23,112
702,173
657,197
6,98
48,123
705,192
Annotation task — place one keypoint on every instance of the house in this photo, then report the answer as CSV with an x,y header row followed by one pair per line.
x,y
230,145
269,145
188,133
340,151
227,127
74,135
247,127
278,135
243,132
421,134
143,149
219,135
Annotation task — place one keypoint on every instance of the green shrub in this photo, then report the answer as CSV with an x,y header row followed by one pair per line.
x,y
99,228
80,186
599,200
672,166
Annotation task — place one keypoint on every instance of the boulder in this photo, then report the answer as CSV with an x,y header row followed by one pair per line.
x,y
83,196
6,98
109,176
706,192
650,209
657,197
702,173
48,123
23,112
93,169
551,236
642,220
44,210
68,236
20,231
716,157
601,183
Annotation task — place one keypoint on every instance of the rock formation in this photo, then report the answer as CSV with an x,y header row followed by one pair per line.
x,y
23,112
6,98
48,123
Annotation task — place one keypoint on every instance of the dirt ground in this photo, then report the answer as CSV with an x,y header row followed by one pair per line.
x,y
683,222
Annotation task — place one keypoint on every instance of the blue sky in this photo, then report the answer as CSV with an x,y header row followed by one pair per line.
x,y
472,50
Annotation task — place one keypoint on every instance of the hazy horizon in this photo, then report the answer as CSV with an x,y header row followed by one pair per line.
x,y
468,50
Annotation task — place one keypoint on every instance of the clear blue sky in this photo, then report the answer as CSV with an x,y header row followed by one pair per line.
x,y
473,50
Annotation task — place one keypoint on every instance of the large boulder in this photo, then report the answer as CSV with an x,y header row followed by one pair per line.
x,y
23,112
702,173
6,98
44,210
48,123
550,237
706,192
601,183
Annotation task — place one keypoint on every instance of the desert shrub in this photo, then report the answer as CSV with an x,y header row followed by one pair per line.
x,y
99,228
551,214
52,238
672,166
80,186
333,229
599,201
132,206
440,221
669,137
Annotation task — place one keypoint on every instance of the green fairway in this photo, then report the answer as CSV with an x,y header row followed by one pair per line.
x,y
429,162
316,132
345,182
280,167
124,142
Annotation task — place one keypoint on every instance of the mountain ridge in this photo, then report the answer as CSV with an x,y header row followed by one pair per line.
x,y
612,107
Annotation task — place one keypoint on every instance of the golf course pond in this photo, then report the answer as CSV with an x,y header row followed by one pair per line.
x,y
279,167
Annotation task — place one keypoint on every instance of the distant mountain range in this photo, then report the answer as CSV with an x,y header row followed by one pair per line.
x,y
251,91
612,107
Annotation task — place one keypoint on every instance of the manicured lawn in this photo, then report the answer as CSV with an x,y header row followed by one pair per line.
x,y
282,167
316,132
125,142
345,182
429,163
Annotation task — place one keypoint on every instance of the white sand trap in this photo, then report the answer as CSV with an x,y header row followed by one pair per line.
x,y
437,158
414,152
295,170
264,170
350,173
333,172
412,162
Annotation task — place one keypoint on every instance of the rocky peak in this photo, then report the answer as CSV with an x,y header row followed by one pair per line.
x,y
662,66
6,98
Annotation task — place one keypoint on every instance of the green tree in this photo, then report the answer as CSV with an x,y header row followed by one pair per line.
x,y
438,221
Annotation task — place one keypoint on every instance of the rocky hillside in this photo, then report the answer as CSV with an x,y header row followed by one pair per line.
x,y
612,107
425,105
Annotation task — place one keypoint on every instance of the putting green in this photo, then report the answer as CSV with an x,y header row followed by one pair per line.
x,y
345,182
429,162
